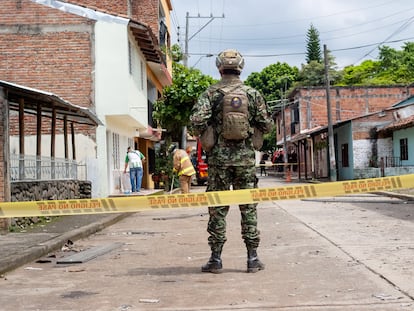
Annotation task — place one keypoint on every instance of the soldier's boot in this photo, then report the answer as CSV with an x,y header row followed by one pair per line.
x,y
214,264
253,262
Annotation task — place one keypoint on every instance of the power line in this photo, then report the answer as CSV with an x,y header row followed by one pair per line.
x,y
401,28
321,32
303,53
283,22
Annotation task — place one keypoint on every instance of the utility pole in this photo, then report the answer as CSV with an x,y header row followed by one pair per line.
x,y
187,39
185,56
285,151
332,161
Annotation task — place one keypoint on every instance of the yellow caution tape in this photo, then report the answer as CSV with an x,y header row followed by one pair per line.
x,y
216,198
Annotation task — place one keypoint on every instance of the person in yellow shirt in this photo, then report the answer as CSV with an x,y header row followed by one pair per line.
x,y
183,167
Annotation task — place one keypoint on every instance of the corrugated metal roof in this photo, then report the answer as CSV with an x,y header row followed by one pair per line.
x,y
405,102
400,124
48,102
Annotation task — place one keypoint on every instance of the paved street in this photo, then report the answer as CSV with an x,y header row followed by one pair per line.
x,y
343,253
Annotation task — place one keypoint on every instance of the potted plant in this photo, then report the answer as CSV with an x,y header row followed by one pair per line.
x,y
163,168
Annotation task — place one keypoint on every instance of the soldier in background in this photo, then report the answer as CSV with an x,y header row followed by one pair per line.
x,y
231,154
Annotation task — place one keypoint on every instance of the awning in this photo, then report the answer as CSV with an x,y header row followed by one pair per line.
x,y
147,41
48,102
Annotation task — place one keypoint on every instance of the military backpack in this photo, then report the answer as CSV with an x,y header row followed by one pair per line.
x,y
235,105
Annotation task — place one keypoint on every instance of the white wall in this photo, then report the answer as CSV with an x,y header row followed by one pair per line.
x,y
362,153
120,98
85,146
118,92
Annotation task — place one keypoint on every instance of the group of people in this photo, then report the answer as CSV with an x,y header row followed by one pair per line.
x,y
231,118
182,166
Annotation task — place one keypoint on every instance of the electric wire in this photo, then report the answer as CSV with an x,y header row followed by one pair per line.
x,y
397,31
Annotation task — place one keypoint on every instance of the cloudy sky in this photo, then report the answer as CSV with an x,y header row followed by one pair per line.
x,y
271,31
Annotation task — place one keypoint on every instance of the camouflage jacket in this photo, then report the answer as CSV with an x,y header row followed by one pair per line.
x,y
208,111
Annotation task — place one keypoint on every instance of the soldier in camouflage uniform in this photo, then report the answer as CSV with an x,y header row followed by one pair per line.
x,y
231,163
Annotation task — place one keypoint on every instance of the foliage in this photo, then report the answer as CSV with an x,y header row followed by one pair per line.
x,y
163,173
273,83
163,162
273,80
313,73
392,67
354,75
172,111
269,141
176,53
313,47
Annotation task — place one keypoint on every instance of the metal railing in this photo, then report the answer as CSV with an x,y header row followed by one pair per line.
x,y
29,167
393,162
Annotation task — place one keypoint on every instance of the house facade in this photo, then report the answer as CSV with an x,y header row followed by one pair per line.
x,y
306,124
104,55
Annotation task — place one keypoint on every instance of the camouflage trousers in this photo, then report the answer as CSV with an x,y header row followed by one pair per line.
x,y
240,177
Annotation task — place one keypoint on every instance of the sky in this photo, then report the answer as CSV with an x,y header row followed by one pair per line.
x,y
269,31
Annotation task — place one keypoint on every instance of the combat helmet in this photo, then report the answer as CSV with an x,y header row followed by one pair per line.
x,y
230,59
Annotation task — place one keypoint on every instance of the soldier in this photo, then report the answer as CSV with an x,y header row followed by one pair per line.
x,y
231,118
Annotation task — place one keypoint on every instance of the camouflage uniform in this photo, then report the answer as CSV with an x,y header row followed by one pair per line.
x,y
231,163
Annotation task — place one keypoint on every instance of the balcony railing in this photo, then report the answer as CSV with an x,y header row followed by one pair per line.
x,y
29,167
393,162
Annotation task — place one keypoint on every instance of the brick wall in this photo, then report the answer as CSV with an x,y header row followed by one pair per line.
x,y
50,50
346,103
146,11
47,49
115,7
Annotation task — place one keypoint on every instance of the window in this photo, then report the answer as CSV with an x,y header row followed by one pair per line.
x,y
142,74
115,150
136,66
130,57
345,157
295,114
404,149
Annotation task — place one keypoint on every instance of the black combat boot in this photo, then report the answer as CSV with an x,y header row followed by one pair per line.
x,y
253,262
214,264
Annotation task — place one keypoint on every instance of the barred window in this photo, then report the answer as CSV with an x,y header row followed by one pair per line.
x,y
345,155
404,149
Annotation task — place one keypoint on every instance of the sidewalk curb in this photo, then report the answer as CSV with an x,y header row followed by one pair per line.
x,y
12,262
401,196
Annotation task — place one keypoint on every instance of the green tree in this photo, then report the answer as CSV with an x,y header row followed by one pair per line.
x,y
363,73
313,46
176,53
273,80
313,73
392,67
172,111
397,66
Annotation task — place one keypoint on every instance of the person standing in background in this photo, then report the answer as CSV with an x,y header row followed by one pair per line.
x,y
134,159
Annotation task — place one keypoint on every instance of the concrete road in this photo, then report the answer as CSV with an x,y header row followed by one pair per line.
x,y
344,253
